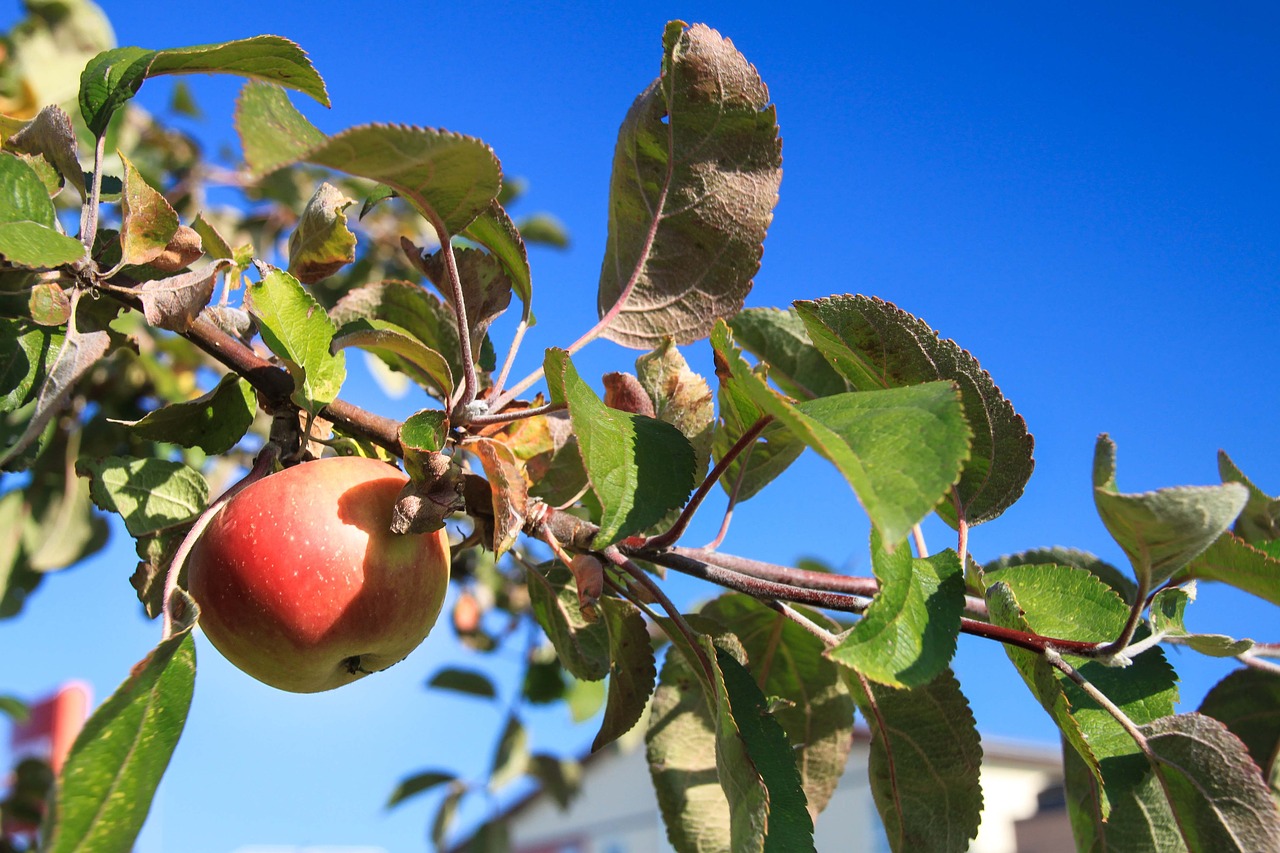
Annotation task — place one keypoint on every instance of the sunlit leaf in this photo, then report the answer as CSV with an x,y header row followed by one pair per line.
x,y
924,763
1168,610
1161,531
105,789
449,178
506,481
873,344
113,77
899,448
908,634
1232,560
51,135
149,494
1260,520
1217,793
322,243
148,221
640,468
494,230
695,178
430,368
680,397
788,662
1060,601
298,330
583,646
779,339
632,671
214,422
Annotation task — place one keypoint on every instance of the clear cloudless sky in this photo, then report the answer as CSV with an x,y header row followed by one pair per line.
x,y
1083,195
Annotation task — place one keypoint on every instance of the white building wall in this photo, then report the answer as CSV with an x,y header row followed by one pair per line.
x,y
617,811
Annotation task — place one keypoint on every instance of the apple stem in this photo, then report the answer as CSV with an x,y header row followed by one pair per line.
x,y
262,465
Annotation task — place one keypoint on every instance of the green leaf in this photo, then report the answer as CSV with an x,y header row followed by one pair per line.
x,y
583,646
33,246
60,527
640,468
681,751
79,352
1247,702
559,778
272,132
544,229
899,448
695,178
790,827
1217,793
215,245
924,763
908,634
408,307
1060,556
466,681
779,339
494,230
771,454
632,671
149,494
680,397
113,77
214,422
429,367
1234,561
148,221
26,352
511,757
25,196
1139,817
418,783
105,789
1069,603
322,243
1260,520
296,328
448,178
1168,607
486,289
1164,530
51,135
788,663
875,345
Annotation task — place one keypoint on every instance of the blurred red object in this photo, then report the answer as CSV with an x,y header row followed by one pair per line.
x,y
52,725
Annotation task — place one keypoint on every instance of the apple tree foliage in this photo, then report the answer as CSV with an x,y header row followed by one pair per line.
x,y
152,344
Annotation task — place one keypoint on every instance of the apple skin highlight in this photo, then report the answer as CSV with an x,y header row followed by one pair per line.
x,y
302,585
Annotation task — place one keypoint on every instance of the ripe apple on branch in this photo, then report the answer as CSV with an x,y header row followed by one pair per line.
x,y
312,572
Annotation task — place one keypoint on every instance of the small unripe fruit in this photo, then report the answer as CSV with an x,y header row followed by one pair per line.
x,y
302,584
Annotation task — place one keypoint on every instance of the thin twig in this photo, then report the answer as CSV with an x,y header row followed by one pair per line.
x,y
613,555
1055,660
516,415
516,340
828,639
922,550
1119,644
89,219
733,502
664,540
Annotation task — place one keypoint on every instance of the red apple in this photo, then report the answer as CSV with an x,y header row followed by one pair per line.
x,y
302,584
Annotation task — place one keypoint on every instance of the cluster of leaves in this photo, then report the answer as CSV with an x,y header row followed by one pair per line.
x,y
158,348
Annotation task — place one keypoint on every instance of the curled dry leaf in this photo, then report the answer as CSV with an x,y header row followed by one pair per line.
x,y
183,249
624,392
425,504
588,574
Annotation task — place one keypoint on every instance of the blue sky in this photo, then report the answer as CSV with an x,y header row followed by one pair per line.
x,y
1082,195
